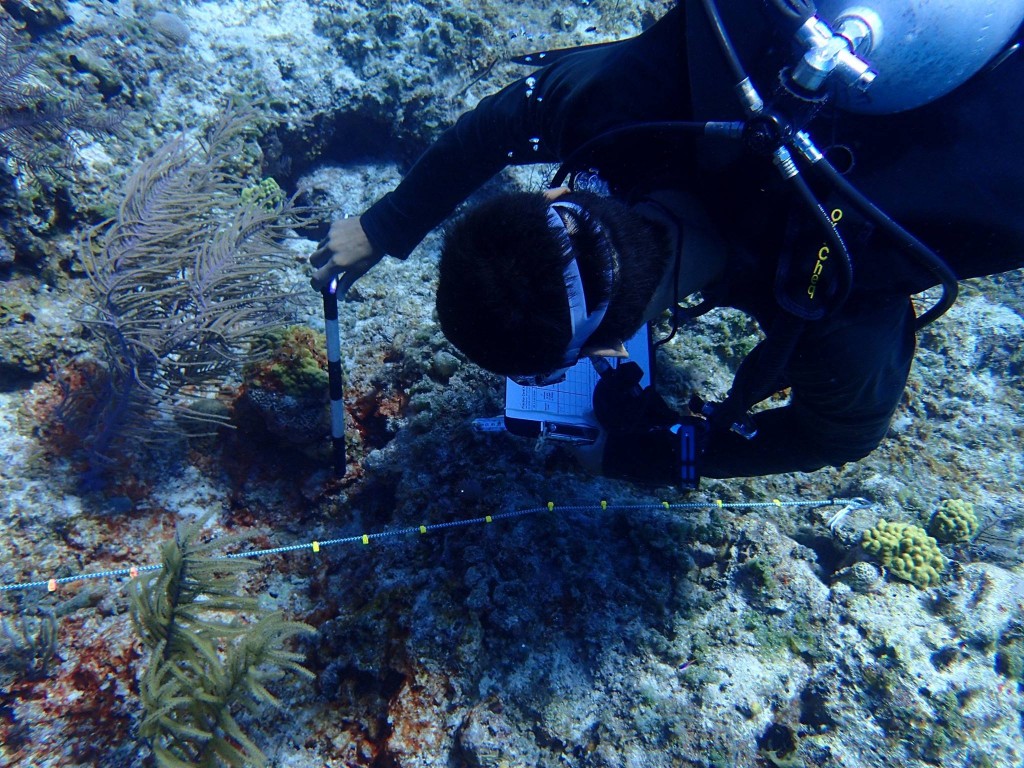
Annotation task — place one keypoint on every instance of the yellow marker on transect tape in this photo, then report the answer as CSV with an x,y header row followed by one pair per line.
x,y
384,537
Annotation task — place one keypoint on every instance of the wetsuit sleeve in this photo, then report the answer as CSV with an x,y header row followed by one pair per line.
x,y
541,118
481,143
846,379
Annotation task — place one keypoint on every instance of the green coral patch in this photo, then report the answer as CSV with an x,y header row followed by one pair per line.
x,y
954,520
296,364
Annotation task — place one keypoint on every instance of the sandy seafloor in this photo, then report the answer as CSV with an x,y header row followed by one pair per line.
x,y
576,637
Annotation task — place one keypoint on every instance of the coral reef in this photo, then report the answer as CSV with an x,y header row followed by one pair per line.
x,y
48,113
37,333
38,15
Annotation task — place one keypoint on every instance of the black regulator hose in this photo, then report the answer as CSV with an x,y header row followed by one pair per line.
x,y
792,14
906,241
843,262
796,12
718,27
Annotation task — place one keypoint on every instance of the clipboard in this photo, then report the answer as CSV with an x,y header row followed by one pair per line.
x,y
565,411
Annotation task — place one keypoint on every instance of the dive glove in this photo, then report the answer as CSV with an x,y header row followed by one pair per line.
x,y
646,440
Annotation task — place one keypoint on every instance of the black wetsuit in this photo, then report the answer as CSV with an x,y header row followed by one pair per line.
x,y
951,172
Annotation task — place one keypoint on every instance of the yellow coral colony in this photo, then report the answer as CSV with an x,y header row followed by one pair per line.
x,y
907,551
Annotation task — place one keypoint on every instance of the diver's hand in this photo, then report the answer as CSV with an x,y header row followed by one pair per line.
x,y
660,455
622,405
346,254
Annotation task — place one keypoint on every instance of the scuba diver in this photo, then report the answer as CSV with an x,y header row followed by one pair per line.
x,y
813,167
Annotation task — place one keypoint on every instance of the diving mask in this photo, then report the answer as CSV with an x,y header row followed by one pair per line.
x,y
567,220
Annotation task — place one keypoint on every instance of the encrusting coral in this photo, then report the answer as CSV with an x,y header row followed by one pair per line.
x,y
296,364
288,388
907,551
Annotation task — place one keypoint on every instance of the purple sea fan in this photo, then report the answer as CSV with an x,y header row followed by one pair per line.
x,y
183,283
